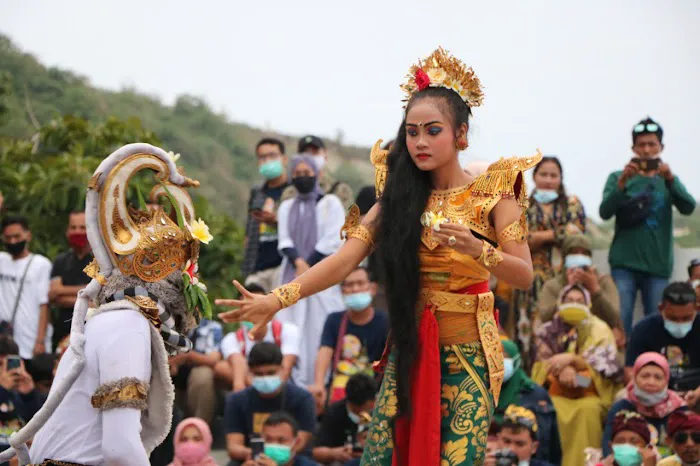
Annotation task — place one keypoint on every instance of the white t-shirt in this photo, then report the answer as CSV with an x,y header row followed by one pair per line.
x,y
34,294
289,341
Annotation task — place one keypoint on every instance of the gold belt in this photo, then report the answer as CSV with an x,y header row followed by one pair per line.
x,y
448,302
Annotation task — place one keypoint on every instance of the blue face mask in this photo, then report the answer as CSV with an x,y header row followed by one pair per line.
x,y
545,196
627,455
508,369
573,261
678,329
358,301
280,454
248,326
272,169
267,384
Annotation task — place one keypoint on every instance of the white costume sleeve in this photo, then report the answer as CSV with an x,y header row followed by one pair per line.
x,y
330,218
230,345
124,358
290,339
284,240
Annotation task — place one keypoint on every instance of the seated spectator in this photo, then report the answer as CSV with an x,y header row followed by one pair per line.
x,y
576,361
675,333
518,389
647,394
193,372
519,433
337,435
578,268
631,443
351,341
193,444
694,270
247,410
233,369
684,435
42,372
281,437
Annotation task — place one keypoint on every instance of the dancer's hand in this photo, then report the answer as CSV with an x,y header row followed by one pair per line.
x,y
466,243
253,308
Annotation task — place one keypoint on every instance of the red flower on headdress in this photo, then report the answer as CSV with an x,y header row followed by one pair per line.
x,y
422,79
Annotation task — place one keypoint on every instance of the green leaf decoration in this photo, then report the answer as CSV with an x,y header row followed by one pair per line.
x,y
142,202
176,206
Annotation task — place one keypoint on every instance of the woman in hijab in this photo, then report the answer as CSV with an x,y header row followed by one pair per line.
x,y
193,444
309,227
577,363
518,389
648,394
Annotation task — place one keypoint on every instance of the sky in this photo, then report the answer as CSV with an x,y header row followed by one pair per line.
x,y
570,78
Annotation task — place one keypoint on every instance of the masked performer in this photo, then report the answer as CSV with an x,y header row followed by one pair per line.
x,y
440,233
111,401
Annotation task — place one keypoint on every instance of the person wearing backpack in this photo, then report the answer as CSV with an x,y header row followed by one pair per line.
x,y
641,198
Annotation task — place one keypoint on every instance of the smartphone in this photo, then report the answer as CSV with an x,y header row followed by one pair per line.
x,y
583,381
647,165
257,445
13,362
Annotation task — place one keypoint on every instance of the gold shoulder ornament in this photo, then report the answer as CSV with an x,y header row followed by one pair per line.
x,y
378,158
354,229
505,178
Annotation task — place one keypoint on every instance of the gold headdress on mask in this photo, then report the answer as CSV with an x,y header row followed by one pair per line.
x,y
440,69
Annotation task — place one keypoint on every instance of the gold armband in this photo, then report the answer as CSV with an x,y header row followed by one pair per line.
x,y
128,392
516,231
354,229
490,257
288,294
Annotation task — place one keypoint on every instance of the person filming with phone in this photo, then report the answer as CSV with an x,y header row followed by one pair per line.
x,y
641,197
577,363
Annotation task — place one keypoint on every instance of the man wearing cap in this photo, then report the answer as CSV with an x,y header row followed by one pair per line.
x,y
631,442
314,146
684,438
519,433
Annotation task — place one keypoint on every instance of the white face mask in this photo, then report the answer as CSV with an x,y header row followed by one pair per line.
x,y
320,161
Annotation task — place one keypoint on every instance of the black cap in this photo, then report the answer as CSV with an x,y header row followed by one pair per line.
x,y
310,140
679,293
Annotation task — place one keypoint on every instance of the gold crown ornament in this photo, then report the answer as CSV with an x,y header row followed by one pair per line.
x,y
441,69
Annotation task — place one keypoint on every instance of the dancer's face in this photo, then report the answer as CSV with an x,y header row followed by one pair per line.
x,y
430,135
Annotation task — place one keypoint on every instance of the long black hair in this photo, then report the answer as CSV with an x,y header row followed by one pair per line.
x,y
403,202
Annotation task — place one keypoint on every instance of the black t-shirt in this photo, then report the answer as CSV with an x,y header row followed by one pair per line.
x,y
336,427
246,411
268,256
683,354
70,268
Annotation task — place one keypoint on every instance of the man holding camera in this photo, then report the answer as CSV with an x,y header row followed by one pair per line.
x,y
641,197
262,260
518,439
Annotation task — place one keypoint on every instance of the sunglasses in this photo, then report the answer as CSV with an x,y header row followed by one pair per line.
x,y
682,437
679,298
649,127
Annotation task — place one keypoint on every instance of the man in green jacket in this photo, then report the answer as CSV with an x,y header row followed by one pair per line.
x,y
641,197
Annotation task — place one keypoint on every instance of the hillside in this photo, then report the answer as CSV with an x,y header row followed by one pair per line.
x,y
218,152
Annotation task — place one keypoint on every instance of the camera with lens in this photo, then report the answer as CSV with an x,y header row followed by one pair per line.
x,y
505,457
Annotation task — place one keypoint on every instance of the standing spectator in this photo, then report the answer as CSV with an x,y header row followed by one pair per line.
x,y
578,268
684,432
647,394
24,289
519,390
339,428
236,345
67,276
193,442
280,433
193,372
247,410
352,339
519,433
262,260
675,333
694,270
313,146
551,216
309,230
642,197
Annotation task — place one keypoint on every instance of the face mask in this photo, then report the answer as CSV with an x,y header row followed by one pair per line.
x,y
191,452
319,160
248,326
272,169
677,329
508,369
267,384
78,240
627,455
358,301
574,313
15,249
650,399
355,418
304,184
545,196
280,454
577,260
524,463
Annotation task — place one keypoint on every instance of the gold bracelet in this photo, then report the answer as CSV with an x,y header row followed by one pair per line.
x,y
490,257
288,294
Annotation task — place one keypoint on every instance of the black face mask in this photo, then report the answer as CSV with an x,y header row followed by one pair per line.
x,y
304,184
15,249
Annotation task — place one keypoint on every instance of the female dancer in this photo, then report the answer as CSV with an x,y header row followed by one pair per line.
x,y
434,228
